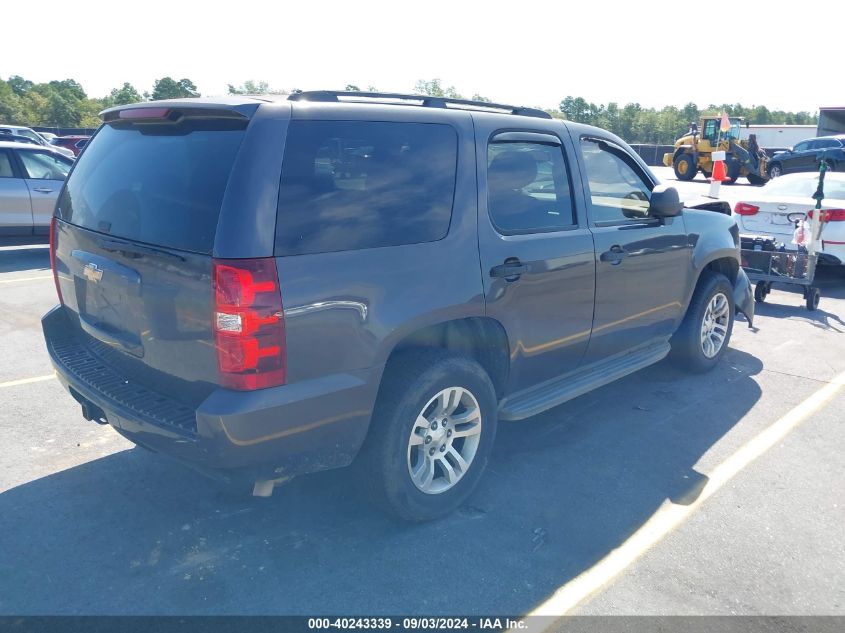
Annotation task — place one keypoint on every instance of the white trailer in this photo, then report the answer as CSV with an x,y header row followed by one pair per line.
x,y
774,137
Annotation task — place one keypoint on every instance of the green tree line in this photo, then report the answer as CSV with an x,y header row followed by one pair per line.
x,y
637,124
66,104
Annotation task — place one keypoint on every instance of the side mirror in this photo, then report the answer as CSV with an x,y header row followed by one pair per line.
x,y
665,202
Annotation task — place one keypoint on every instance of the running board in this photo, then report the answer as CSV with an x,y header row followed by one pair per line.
x,y
558,390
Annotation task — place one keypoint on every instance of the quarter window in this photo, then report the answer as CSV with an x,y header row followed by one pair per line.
x,y
362,184
618,191
528,188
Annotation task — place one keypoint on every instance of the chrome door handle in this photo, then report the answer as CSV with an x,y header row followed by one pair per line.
x,y
43,190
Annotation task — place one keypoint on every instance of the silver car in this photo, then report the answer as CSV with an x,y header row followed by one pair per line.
x,y
30,180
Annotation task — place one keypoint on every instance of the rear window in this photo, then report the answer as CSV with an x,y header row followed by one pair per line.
x,y
155,184
362,184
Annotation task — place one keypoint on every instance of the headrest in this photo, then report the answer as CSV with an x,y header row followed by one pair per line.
x,y
512,170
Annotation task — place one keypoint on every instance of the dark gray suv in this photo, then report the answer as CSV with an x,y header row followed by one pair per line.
x,y
264,289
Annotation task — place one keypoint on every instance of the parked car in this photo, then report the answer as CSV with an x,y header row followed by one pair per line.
x,y
34,136
48,136
30,180
75,143
765,214
14,138
805,156
479,263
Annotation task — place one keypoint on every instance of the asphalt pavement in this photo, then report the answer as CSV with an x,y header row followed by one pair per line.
x,y
92,525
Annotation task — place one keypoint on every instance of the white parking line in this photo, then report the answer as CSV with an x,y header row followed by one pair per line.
x,y
669,516
26,381
8,281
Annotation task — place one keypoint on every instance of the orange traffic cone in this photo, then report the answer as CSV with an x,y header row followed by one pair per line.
x,y
719,173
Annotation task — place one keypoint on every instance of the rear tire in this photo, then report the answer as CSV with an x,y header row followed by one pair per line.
x,y
761,291
685,168
704,334
405,476
756,180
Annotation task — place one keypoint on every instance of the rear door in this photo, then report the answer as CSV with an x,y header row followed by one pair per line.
x,y
536,256
643,264
134,238
45,173
15,207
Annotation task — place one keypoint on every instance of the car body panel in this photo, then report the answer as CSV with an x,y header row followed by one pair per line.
x,y
547,311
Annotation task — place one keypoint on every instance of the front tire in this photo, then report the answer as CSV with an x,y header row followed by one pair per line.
x,y
432,433
705,332
684,166
775,170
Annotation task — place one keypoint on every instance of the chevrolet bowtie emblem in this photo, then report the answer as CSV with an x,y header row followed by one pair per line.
x,y
92,272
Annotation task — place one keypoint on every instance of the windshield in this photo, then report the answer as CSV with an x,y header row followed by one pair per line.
x,y
805,187
735,130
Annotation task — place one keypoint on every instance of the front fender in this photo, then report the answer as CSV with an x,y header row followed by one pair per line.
x,y
715,237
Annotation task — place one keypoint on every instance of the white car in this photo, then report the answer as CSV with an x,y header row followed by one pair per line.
x,y
765,213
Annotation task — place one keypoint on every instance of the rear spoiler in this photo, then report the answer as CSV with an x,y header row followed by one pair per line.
x,y
177,110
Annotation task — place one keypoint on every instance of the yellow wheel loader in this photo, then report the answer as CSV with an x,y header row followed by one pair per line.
x,y
693,152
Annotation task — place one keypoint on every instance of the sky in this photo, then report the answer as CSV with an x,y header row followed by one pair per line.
x,y
534,53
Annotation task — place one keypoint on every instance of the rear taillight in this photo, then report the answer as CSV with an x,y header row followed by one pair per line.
x,y
53,258
144,113
830,215
743,208
249,324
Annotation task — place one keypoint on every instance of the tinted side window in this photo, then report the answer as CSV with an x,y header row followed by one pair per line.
x,y
43,166
618,191
363,184
801,146
528,188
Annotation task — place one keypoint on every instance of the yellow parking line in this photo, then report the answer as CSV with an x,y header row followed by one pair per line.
x,y
669,516
8,281
26,381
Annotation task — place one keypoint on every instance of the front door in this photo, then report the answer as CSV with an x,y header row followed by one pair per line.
x,y
45,174
537,257
643,264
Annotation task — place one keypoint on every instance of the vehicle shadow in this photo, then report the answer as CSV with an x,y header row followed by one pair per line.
x,y
132,533
818,318
32,257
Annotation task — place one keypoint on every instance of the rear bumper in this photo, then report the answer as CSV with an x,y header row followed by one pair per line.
x,y
299,428
744,296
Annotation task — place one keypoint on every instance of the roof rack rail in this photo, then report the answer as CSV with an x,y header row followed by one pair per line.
x,y
395,98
